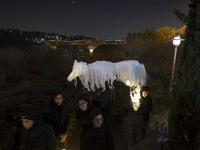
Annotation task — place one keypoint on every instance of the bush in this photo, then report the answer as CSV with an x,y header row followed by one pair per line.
x,y
160,95
184,122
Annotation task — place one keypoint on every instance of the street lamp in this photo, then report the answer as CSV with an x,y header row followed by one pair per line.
x,y
176,42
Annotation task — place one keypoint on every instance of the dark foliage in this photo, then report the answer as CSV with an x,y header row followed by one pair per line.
x,y
182,16
184,117
184,122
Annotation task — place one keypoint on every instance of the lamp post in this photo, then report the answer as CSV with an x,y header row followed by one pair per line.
x,y
176,42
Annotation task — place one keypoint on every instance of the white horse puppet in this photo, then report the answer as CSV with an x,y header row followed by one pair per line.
x,y
130,72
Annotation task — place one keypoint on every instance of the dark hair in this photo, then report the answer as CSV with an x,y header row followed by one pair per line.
x,y
145,88
53,96
83,97
95,112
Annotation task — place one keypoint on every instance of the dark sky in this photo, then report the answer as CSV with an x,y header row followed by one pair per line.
x,y
105,19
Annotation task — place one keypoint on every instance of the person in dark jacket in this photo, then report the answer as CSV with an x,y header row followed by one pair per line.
x,y
34,135
146,106
57,115
84,109
105,103
95,136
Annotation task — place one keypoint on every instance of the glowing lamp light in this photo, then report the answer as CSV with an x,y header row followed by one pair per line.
x,y
128,83
91,50
135,98
177,40
135,95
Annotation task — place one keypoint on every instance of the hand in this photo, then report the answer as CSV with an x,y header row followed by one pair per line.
x,y
63,137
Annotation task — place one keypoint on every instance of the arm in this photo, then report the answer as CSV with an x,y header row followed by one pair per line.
x,y
65,121
51,142
150,104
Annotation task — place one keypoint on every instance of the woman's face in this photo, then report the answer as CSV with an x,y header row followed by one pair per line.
x,y
27,123
83,105
145,93
59,99
97,121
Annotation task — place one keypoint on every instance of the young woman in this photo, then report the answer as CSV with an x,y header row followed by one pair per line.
x,y
57,115
84,109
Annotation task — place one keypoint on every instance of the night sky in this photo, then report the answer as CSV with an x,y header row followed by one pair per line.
x,y
104,19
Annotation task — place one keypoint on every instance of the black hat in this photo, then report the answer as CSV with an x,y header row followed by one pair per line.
x,y
83,97
29,114
95,112
145,88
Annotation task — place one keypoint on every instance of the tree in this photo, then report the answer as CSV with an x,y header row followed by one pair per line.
x,y
183,116
188,76
182,16
137,44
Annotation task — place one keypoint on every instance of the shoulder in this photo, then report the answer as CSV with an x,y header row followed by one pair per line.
x,y
65,107
22,132
87,131
149,98
46,126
